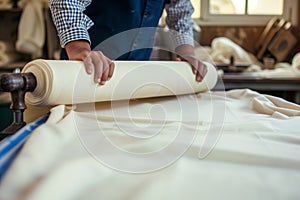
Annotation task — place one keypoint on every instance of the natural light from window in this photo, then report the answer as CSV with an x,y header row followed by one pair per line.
x,y
246,7
243,12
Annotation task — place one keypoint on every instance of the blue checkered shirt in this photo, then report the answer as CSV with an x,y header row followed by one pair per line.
x,y
72,24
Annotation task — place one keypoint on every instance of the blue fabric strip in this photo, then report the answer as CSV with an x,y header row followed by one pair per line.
x,y
10,147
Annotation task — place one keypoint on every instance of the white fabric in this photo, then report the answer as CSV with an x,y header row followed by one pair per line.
x,y
31,29
223,48
5,4
296,63
22,3
284,70
66,82
252,155
269,105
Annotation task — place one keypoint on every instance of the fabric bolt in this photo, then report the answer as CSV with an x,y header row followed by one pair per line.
x,y
66,82
154,148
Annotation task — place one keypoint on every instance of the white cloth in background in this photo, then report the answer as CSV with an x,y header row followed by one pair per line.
x,y
31,29
254,156
223,48
22,3
5,4
296,63
284,69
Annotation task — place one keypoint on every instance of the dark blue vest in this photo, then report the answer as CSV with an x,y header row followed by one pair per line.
x,y
122,27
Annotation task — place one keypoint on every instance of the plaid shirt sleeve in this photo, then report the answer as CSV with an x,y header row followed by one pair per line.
x,y
180,22
69,19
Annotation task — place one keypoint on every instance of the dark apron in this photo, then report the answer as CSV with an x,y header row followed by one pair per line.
x,y
124,29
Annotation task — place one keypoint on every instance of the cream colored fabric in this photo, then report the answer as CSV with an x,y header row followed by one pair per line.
x,y
22,3
253,155
269,105
223,48
31,29
296,63
33,112
5,4
66,82
284,69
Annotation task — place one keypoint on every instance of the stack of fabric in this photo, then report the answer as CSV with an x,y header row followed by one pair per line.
x,y
222,49
5,4
284,69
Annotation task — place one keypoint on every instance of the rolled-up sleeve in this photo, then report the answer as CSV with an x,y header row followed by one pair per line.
x,y
180,22
70,21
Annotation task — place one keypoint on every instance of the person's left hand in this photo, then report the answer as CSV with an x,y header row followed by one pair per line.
x,y
186,53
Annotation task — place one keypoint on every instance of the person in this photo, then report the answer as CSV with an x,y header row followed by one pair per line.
x,y
85,29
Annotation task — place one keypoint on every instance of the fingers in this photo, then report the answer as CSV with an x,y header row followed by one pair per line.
x,y
198,67
111,70
102,66
88,63
200,70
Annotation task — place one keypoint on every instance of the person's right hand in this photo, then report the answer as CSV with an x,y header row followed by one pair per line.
x,y
94,61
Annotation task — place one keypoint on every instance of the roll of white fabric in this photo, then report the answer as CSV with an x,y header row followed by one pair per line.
x,y
66,82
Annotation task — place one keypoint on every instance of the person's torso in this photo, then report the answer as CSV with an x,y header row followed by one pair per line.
x,y
121,27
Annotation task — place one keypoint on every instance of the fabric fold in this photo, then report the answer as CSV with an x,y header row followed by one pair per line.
x,y
270,105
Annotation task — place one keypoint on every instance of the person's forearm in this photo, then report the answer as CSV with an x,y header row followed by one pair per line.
x,y
180,22
78,50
